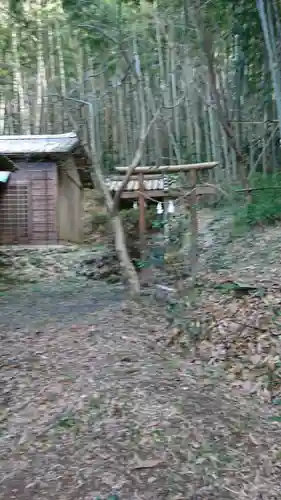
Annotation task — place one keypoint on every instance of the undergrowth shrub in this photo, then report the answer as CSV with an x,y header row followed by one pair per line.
x,y
130,218
100,223
265,205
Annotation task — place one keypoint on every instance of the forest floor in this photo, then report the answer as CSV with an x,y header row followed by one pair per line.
x,y
98,395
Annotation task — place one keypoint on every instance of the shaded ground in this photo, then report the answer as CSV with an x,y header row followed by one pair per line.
x,y
93,401
59,302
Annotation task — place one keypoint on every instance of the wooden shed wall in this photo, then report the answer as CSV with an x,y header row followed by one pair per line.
x,y
28,205
69,202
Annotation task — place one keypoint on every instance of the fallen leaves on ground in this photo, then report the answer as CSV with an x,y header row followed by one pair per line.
x,y
97,400
100,407
238,326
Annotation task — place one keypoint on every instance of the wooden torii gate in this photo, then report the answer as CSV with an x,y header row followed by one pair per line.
x,y
192,169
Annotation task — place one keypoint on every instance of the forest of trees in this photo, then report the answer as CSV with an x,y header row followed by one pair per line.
x,y
211,71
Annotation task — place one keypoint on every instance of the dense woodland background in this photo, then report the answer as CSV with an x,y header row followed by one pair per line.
x,y
211,70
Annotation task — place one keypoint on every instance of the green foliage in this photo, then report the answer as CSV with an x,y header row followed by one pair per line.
x,y
110,497
265,205
100,221
276,418
241,37
131,226
67,421
97,19
130,218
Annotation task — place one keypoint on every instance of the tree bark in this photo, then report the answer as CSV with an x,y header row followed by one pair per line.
x,y
115,219
122,253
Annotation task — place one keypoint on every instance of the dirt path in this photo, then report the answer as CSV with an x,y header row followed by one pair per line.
x,y
92,402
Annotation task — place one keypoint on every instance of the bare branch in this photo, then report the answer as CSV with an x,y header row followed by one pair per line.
x,y
135,162
253,169
173,106
222,191
144,130
87,78
102,72
172,168
103,32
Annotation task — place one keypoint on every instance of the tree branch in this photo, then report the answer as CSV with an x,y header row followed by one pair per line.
x,y
136,160
144,129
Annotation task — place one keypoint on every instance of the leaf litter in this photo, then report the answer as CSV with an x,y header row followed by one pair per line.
x,y
116,400
243,298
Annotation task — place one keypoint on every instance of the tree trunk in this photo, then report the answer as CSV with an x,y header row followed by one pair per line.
x,y
122,252
116,223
